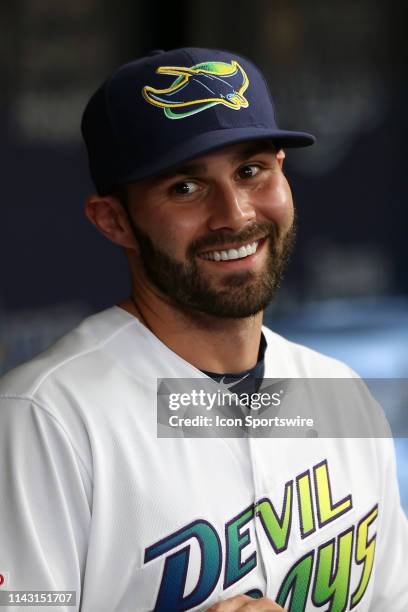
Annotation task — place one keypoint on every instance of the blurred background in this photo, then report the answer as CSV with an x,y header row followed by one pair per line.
x,y
336,69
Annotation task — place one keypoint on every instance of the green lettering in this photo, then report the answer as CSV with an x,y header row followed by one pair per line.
x,y
296,584
306,515
327,511
277,528
331,584
365,550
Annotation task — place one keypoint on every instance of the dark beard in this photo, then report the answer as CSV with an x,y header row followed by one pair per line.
x,y
244,293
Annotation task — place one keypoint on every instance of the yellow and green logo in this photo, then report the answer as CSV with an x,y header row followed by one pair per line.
x,y
199,87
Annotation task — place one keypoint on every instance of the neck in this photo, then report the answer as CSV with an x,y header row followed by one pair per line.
x,y
207,342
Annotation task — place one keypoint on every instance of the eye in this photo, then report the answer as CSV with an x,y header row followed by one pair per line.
x,y
249,171
184,188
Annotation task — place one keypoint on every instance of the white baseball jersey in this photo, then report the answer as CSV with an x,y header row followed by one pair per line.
x,y
92,501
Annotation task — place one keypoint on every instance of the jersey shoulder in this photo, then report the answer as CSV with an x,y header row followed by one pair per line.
x,y
107,349
86,344
284,358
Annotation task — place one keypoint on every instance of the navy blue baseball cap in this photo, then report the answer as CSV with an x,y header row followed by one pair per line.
x,y
162,110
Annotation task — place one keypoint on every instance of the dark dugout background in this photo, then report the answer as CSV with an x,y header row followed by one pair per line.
x,y
337,69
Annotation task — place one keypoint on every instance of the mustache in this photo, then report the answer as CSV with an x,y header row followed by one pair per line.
x,y
254,231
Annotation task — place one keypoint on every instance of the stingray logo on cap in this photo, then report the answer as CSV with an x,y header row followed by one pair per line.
x,y
200,87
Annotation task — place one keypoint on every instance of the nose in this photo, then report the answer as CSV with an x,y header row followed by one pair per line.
x,y
231,208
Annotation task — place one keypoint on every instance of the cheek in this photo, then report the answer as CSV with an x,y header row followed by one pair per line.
x,y
278,202
173,233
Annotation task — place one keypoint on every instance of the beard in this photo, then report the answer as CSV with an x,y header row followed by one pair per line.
x,y
240,294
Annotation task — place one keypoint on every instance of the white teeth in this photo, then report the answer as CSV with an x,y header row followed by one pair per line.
x,y
243,251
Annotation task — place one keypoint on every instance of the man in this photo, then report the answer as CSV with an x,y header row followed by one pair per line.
x,y
187,160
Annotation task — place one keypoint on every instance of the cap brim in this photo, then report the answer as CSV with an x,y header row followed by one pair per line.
x,y
211,141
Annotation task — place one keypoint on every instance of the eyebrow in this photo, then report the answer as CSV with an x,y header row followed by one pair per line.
x,y
201,168
263,146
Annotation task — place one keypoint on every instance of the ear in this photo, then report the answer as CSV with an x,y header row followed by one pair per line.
x,y
280,156
110,218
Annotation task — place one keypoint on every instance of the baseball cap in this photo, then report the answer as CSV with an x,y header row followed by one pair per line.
x,y
164,109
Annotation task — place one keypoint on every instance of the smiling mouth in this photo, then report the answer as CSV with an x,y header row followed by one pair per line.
x,y
235,253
